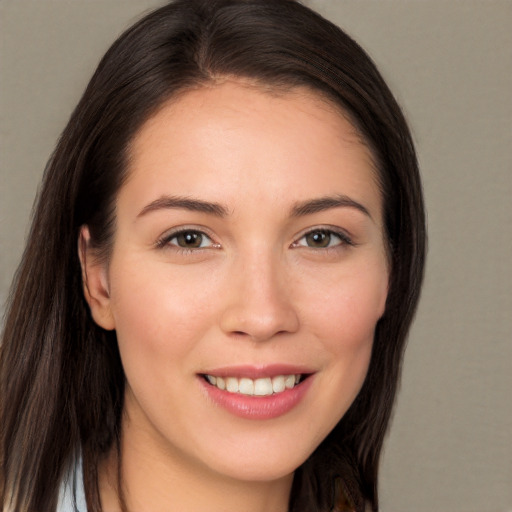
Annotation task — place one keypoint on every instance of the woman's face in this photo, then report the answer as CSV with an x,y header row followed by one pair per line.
x,y
248,255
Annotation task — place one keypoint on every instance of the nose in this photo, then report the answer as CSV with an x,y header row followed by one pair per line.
x,y
259,301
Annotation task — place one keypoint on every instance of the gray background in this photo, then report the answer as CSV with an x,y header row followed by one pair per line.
x,y
450,65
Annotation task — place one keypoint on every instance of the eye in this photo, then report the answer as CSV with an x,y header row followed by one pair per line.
x,y
187,239
322,239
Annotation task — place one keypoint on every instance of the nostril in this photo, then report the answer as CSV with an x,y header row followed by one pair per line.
x,y
239,334
244,334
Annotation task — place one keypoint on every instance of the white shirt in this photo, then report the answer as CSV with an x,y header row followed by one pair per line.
x,y
72,487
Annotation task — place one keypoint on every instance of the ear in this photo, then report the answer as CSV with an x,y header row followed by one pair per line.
x,y
95,282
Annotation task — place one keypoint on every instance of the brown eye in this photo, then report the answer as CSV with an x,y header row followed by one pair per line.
x,y
318,239
190,240
323,239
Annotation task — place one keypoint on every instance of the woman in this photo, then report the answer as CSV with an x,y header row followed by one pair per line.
x,y
222,268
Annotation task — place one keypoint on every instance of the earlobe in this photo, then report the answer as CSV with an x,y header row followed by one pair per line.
x,y
95,282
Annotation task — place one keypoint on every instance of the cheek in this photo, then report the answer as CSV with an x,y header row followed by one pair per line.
x,y
345,312
344,321
341,317
156,312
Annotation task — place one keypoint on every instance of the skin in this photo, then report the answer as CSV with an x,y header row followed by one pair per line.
x,y
256,291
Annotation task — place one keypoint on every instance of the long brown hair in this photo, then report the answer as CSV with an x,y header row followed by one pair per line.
x,y
61,379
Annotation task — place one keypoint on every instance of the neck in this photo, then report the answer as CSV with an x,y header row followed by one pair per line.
x,y
160,480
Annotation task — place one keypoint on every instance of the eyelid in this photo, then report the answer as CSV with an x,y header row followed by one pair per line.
x,y
345,238
164,239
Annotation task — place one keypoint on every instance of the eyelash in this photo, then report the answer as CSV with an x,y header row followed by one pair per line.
x,y
344,239
165,240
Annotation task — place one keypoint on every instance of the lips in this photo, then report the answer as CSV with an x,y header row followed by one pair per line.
x,y
257,393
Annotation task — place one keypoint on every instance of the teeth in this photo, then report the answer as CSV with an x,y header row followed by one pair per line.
x,y
263,387
232,385
289,381
246,386
257,387
278,384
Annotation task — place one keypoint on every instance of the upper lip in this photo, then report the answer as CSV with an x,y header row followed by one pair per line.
x,y
258,371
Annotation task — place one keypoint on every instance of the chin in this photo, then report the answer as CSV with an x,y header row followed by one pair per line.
x,y
261,462
260,471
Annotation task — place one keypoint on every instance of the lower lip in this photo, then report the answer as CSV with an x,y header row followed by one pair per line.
x,y
258,407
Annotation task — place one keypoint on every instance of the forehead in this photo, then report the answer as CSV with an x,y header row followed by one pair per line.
x,y
241,96
218,140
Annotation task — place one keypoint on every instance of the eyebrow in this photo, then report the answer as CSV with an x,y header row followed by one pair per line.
x,y
184,203
326,203
298,210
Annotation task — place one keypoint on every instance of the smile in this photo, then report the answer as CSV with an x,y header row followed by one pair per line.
x,y
255,387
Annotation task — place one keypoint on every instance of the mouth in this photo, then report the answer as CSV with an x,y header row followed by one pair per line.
x,y
265,386
257,392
